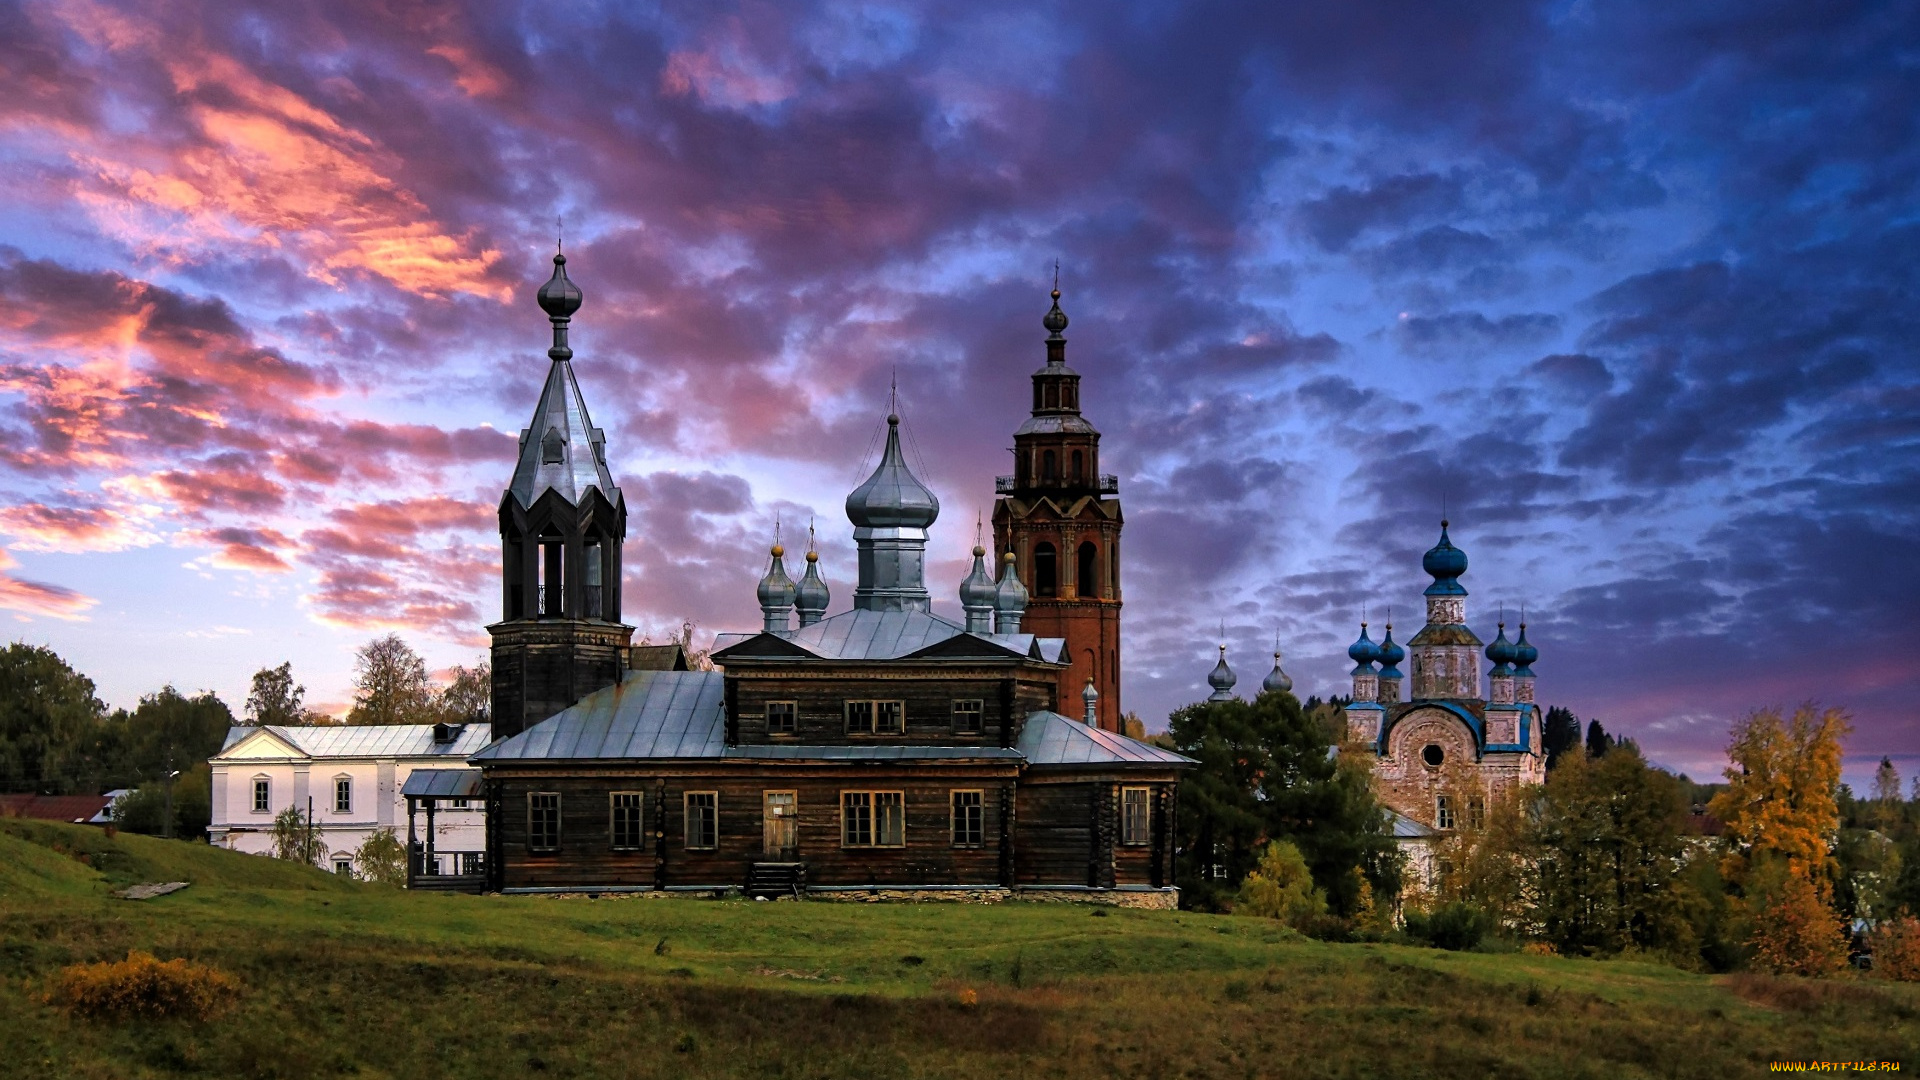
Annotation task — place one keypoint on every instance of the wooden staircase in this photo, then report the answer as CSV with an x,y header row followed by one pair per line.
x,y
773,880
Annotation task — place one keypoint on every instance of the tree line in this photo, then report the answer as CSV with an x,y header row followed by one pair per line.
x,y
1780,867
58,738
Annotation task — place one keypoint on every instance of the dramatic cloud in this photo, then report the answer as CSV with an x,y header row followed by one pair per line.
x,y
1627,289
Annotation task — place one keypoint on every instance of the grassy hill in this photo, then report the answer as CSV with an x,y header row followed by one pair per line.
x,y
348,979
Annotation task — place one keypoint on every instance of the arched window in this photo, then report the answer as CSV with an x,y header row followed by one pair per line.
x,y
1049,468
1046,575
1088,582
1079,468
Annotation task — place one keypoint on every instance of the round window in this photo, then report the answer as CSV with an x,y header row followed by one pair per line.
x,y
1433,755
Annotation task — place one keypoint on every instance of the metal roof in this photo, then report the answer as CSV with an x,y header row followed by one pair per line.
x,y
1051,739
892,635
443,783
1405,828
370,740
562,414
870,752
653,714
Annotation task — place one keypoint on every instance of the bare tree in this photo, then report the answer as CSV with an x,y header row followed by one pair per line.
x,y
469,694
275,697
390,684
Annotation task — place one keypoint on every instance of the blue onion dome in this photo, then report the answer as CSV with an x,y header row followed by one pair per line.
x,y
1277,681
979,588
560,298
1445,563
1363,653
892,498
1524,654
776,589
812,594
1501,652
1009,595
1390,655
1221,678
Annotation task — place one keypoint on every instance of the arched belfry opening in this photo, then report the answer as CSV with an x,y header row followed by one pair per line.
x,y
1046,570
1087,574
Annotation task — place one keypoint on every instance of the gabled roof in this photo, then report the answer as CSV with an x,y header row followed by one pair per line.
x,y
885,635
349,741
561,417
652,714
1051,739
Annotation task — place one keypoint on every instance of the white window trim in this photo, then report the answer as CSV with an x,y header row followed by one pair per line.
x,y
348,777
254,794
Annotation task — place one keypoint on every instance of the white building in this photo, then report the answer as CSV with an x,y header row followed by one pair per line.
x,y
352,778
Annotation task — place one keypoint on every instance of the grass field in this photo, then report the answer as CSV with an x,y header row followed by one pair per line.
x,y
348,979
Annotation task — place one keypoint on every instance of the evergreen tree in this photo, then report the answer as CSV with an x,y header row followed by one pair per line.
x,y
1561,734
1220,822
275,697
1598,742
390,685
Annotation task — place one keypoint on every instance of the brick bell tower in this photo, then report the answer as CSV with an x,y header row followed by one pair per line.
x,y
562,520
1060,517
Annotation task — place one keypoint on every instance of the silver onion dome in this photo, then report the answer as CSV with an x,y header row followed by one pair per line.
x,y
1277,681
892,498
776,593
977,594
811,597
1221,678
1009,599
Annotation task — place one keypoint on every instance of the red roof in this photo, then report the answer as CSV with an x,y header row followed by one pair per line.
x,y
54,807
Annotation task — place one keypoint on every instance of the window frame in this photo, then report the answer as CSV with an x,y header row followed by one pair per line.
x,y
343,865
874,710
262,795
874,827
1136,833
967,830
1476,812
638,823
343,806
978,712
537,840
687,820
792,726
1443,817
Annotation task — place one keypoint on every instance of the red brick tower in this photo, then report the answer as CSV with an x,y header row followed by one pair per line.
x,y
1061,519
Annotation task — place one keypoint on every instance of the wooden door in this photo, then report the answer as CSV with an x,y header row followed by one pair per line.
x,y
782,837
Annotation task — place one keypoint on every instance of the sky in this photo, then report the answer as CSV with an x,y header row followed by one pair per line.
x,y
1627,290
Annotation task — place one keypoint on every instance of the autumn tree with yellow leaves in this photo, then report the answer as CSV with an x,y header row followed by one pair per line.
x,y
1782,815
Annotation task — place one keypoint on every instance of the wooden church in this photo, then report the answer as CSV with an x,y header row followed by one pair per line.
x,y
884,750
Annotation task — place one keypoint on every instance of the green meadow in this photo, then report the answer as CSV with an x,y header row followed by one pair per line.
x,y
344,979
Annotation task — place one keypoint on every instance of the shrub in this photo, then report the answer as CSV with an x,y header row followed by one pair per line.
x,y
1282,888
1454,926
1896,948
1795,932
382,859
143,987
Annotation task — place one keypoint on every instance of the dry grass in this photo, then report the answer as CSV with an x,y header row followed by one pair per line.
x,y
144,987
347,979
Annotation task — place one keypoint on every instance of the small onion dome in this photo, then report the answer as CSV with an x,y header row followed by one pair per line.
x,y
1277,681
1009,596
1501,652
1390,655
979,589
1055,320
560,298
1524,654
1090,699
1363,652
1221,679
892,498
776,589
811,595
1445,563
